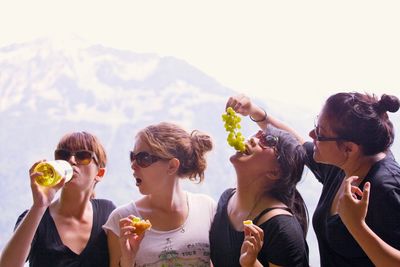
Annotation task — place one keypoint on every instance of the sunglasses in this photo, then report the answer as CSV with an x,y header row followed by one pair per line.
x,y
143,159
266,140
322,138
82,157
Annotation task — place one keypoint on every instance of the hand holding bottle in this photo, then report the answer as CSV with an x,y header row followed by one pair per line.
x,y
42,195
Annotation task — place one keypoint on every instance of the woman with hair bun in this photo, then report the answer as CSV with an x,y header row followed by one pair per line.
x,y
352,137
163,155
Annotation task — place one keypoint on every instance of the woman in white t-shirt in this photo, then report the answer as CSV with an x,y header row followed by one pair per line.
x,y
163,154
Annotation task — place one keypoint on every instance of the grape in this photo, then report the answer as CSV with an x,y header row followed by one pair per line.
x,y
232,125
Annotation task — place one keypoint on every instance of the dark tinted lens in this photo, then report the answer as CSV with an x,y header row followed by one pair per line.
x,y
271,140
143,159
83,157
62,154
132,156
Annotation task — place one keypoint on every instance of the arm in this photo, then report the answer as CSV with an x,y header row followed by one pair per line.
x,y
353,212
113,248
18,247
243,105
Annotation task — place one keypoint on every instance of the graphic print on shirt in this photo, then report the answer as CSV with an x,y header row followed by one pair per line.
x,y
192,254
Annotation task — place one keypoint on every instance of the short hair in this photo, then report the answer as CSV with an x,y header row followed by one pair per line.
x,y
83,140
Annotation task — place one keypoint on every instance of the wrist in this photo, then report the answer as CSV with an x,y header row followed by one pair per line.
x,y
260,116
358,228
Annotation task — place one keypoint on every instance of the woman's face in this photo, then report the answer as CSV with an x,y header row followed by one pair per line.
x,y
260,158
84,165
326,147
149,170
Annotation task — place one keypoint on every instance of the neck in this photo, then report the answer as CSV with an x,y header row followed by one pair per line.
x,y
361,166
170,200
72,205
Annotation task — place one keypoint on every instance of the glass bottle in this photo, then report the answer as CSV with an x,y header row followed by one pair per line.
x,y
53,171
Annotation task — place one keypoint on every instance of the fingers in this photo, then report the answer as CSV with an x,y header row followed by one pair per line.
x,y
253,240
127,228
252,230
59,185
236,102
349,189
32,173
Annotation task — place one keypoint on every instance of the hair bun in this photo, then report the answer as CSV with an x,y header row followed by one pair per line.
x,y
389,103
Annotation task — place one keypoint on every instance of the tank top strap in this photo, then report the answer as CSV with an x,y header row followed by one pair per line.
x,y
256,219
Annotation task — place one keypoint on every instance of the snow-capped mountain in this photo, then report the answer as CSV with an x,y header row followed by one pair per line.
x,y
52,86
49,87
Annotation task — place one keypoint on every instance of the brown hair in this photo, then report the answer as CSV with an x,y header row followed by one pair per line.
x,y
84,140
363,119
168,140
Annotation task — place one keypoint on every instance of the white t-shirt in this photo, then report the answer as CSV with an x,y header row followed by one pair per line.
x,y
187,245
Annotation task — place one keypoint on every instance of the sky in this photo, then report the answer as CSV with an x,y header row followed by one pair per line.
x,y
300,51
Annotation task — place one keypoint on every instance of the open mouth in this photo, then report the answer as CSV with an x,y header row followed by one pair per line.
x,y
247,150
138,181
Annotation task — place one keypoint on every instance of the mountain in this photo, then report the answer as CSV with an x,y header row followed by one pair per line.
x,y
52,86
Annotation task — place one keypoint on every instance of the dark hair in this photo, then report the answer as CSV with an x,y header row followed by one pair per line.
x,y
291,160
362,119
168,140
84,140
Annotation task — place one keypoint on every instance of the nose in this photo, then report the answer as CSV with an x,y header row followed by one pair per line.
x,y
134,165
72,160
312,134
253,141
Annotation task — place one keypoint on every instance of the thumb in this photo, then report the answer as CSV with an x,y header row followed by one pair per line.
x,y
60,184
365,195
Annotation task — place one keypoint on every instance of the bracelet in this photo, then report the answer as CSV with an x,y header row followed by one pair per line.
x,y
262,119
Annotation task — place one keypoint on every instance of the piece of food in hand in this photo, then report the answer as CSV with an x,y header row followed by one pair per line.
x,y
248,222
140,225
232,125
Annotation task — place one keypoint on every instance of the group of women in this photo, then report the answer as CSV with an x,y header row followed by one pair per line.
x,y
357,219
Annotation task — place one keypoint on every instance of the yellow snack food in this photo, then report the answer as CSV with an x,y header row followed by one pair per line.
x,y
248,222
140,225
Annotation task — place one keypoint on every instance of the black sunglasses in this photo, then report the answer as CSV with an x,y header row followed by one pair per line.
x,y
82,157
322,138
143,159
267,140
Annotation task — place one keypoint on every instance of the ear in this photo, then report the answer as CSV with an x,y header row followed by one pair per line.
x,y
100,174
173,166
350,147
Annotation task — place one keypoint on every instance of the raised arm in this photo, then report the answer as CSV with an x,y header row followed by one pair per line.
x,y
352,211
18,247
243,105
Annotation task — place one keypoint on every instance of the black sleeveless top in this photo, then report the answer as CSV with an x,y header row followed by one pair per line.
x,y
47,248
284,242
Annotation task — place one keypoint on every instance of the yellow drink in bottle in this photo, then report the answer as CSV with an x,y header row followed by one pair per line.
x,y
53,171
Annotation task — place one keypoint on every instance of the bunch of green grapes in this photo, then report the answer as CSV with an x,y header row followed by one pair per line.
x,y
232,125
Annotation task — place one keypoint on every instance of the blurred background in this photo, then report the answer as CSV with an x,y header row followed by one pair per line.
x,y
114,67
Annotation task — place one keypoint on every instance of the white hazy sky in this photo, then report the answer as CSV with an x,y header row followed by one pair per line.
x,y
299,50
